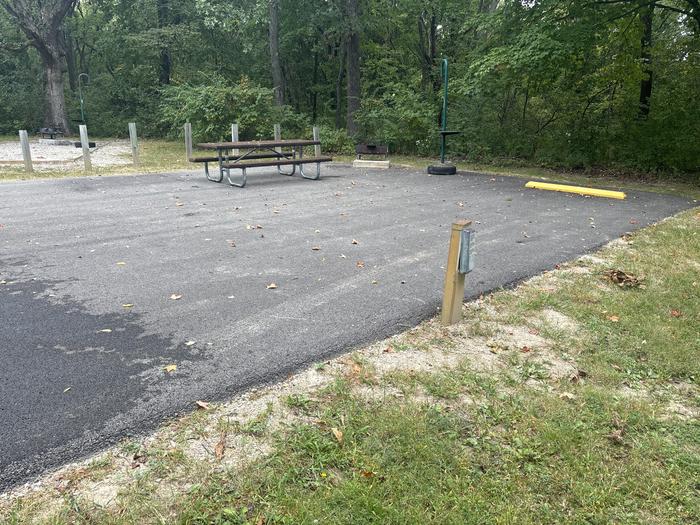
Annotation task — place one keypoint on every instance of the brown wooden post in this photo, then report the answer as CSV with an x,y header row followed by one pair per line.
x,y
454,281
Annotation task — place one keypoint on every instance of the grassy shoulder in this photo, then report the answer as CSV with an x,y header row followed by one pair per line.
x,y
570,399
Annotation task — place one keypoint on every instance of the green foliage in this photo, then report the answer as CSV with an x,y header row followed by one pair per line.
x,y
213,106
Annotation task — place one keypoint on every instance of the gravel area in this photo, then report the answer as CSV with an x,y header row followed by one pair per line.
x,y
59,157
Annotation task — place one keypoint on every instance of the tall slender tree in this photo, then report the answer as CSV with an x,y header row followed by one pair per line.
x,y
41,21
276,64
353,66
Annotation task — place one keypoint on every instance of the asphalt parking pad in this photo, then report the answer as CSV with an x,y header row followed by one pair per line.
x,y
354,257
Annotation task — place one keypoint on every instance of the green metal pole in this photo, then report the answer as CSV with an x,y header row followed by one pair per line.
x,y
445,79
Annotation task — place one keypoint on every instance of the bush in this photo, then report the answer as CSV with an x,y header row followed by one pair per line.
x,y
211,109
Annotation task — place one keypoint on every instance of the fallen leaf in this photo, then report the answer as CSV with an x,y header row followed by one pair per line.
x,y
355,241
128,305
220,448
342,256
179,204
121,263
460,204
189,343
375,282
533,331
567,395
315,248
360,264
175,297
367,474
271,286
623,279
203,405
613,318
616,436
170,368
525,349
105,331
66,390
231,243
389,350
338,434
676,313
578,375
634,221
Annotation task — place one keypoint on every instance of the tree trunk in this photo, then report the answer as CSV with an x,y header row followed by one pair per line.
x,y
55,115
339,88
166,65
353,87
41,22
277,76
427,42
646,84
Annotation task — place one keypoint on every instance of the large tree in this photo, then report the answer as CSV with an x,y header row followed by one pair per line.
x,y
41,21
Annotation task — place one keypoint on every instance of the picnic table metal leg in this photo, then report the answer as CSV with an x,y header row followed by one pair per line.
x,y
243,179
313,177
294,168
221,173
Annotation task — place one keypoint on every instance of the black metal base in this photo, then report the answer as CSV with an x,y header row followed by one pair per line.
x,y
442,169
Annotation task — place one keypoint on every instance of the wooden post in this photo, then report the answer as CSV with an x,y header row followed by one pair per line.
x,y
134,143
234,137
278,136
26,151
85,143
317,148
188,140
454,281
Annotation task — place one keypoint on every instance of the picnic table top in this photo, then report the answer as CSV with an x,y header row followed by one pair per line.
x,y
254,144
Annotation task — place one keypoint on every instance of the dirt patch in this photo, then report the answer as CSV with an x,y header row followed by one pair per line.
x,y
47,157
559,321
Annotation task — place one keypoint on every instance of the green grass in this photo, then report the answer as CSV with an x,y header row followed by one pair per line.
x,y
468,445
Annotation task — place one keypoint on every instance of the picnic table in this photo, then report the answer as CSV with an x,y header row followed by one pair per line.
x,y
260,153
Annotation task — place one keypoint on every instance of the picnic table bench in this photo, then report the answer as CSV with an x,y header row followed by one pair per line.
x,y
259,154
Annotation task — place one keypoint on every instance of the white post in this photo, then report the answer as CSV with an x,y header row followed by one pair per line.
x,y
188,140
234,137
134,143
317,147
26,152
278,136
85,143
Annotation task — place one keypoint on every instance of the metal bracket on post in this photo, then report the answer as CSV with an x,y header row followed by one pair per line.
x,y
454,279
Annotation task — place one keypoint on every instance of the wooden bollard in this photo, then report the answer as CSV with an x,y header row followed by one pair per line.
x,y
26,151
317,137
234,138
278,136
134,143
454,281
85,143
188,140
